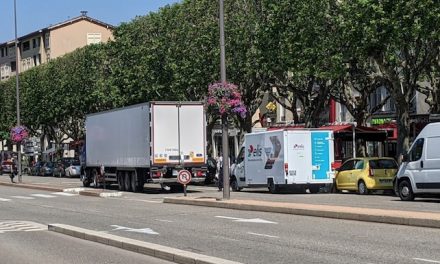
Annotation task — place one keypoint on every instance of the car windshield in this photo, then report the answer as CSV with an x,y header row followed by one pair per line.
x,y
383,164
75,163
49,164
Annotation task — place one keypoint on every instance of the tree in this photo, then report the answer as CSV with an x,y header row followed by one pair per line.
x,y
402,39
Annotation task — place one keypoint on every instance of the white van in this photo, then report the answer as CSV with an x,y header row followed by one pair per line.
x,y
419,172
299,159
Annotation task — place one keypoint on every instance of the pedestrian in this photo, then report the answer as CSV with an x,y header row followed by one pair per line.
x,y
13,170
220,173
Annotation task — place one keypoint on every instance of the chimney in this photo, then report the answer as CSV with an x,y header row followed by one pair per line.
x,y
83,13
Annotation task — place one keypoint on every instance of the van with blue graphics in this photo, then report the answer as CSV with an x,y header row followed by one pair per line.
x,y
296,159
419,172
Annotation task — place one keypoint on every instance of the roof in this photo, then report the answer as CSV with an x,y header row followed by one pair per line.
x,y
61,24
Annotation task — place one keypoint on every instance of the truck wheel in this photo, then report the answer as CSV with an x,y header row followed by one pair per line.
x,y
362,188
405,191
273,188
234,185
127,181
86,183
133,181
121,186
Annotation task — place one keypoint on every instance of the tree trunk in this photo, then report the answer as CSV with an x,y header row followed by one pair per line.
x,y
402,131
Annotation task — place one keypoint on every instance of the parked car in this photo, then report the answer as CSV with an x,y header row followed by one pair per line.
x,y
6,166
47,169
73,169
35,170
58,170
419,172
366,174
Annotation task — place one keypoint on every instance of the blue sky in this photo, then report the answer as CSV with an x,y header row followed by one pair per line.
x,y
33,15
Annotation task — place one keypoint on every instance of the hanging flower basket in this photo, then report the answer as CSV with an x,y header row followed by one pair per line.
x,y
224,99
19,133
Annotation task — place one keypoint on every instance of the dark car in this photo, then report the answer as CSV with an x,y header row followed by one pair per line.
x,y
47,169
6,167
35,170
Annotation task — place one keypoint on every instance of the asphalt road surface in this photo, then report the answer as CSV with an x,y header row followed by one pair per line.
x,y
248,237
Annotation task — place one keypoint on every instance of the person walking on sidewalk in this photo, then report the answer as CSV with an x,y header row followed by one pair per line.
x,y
14,170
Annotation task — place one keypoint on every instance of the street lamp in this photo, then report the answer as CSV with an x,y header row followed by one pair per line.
x,y
225,136
17,88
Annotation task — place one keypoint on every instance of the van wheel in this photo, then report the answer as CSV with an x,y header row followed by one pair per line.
x,y
362,188
234,185
273,188
405,191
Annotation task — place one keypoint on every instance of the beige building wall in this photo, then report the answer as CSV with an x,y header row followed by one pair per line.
x,y
67,38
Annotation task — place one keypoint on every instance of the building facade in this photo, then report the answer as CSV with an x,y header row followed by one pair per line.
x,y
51,42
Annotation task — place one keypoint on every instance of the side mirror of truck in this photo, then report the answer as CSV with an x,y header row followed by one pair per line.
x,y
405,157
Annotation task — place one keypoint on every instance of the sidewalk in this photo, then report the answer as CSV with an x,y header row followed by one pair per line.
x,y
410,218
70,185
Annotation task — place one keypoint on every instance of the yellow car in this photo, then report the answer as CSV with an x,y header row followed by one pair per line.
x,y
365,174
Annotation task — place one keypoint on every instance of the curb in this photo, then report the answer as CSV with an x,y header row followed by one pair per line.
x,y
80,191
146,248
409,218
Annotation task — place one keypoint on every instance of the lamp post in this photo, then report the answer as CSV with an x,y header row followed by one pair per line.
x,y
17,89
225,135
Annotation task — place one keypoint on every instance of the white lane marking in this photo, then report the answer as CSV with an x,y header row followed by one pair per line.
x,y
140,200
140,230
250,220
162,220
263,235
43,195
4,200
426,260
23,197
65,194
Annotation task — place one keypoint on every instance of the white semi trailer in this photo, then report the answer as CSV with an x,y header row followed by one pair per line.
x,y
148,142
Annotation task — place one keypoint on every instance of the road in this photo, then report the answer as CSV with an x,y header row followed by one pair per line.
x,y
248,237
29,243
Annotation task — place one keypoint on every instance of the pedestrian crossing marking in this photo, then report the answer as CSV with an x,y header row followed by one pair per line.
x,y
23,226
43,195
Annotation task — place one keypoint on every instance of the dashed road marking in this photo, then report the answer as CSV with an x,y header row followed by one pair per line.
x,y
4,200
262,235
65,194
43,195
23,197
426,260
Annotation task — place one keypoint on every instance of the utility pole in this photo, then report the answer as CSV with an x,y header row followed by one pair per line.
x,y
225,134
17,89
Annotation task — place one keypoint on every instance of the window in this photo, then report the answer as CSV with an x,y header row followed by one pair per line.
x,y
383,164
240,156
37,60
416,150
13,66
432,148
3,52
93,38
26,45
359,165
47,40
11,51
36,43
348,165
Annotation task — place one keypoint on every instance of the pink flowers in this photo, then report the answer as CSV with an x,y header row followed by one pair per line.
x,y
225,99
19,133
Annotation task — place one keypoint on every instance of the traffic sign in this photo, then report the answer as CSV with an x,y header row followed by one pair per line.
x,y
184,177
